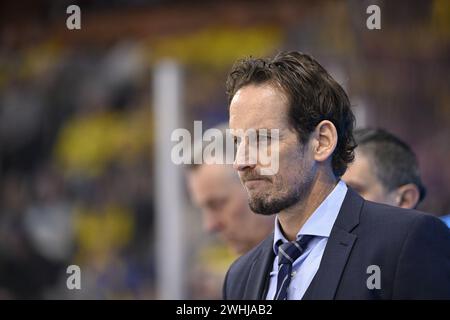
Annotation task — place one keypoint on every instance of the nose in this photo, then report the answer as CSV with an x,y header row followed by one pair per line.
x,y
245,157
212,224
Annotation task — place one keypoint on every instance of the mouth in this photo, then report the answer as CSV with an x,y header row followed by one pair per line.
x,y
252,183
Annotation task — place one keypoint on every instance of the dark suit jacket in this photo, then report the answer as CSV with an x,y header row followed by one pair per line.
x,y
412,250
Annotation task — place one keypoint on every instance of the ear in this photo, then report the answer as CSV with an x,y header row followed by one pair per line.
x,y
407,196
325,140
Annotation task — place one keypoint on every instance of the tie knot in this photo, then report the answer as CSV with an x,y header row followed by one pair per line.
x,y
290,251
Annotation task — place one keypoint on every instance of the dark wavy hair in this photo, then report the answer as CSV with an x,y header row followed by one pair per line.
x,y
313,95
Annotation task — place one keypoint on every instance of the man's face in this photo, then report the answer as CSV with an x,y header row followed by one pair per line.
x,y
361,176
266,106
217,192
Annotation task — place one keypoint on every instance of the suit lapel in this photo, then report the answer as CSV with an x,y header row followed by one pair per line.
x,y
259,271
337,250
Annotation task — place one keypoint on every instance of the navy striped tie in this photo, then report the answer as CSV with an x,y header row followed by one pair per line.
x,y
287,253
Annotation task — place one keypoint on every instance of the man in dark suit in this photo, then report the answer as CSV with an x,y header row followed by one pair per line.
x,y
328,242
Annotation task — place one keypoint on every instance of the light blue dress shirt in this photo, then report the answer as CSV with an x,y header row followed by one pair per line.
x,y
446,220
319,225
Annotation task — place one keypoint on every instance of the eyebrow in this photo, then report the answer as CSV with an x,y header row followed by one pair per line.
x,y
268,131
258,130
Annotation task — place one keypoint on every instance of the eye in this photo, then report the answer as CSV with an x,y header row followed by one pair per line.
x,y
264,138
217,204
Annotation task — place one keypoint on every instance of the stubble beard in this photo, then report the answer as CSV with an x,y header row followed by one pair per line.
x,y
273,201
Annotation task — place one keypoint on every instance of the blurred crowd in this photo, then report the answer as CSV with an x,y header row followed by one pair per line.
x,y
76,172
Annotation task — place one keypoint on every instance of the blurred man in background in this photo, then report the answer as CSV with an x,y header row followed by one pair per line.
x,y
217,191
385,170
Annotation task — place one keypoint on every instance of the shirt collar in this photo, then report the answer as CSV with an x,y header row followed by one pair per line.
x,y
321,221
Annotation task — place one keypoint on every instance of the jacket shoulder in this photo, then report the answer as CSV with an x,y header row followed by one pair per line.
x,y
395,219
